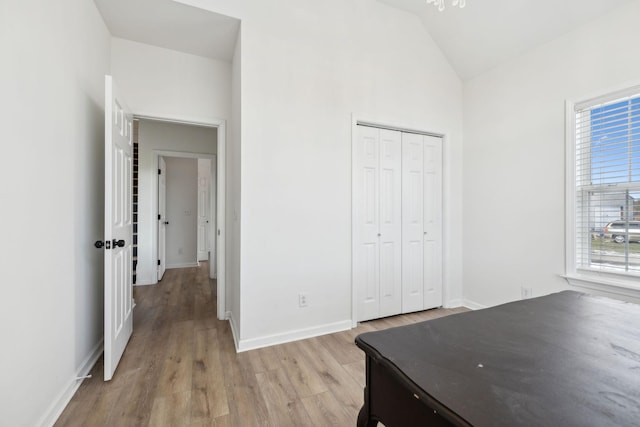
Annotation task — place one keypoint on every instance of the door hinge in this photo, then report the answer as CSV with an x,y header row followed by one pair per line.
x,y
159,216
159,171
158,262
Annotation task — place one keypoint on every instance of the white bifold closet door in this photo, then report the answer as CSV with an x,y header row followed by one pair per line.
x,y
421,222
378,232
397,260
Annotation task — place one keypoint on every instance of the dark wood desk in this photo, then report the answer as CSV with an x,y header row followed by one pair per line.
x,y
566,359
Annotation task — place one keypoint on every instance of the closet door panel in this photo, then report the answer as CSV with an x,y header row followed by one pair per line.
x,y
433,282
366,257
390,223
412,222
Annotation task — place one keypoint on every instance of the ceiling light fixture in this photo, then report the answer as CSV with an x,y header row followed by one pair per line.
x,y
440,3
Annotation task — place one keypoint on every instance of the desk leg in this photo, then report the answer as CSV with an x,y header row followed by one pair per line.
x,y
364,416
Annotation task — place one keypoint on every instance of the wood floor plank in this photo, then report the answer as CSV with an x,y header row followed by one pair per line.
x,y
342,349
265,359
325,410
305,380
181,368
357,371
172,410
176,374
276,398
208,393
343,386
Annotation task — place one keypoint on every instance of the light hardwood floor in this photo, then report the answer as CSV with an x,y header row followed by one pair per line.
x,y
181,369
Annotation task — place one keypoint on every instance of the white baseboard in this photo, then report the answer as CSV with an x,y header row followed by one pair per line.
x,y
182,265
454,303
144,281
55,410
473,305
145,284
299,334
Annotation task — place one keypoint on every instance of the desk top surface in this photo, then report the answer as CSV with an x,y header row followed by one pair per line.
x,y
566,359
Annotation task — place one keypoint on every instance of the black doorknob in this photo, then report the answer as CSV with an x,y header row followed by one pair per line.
x,y
99,244
166,223
118,243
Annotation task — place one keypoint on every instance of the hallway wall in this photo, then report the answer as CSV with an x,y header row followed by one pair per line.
x,y
182,212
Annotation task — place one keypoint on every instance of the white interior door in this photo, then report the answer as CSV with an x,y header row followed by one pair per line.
x,y
204,208
377,229
162,217
366,258
213,241
118,274
432,222
412,222
390,223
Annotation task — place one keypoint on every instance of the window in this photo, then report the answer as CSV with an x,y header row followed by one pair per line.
x,y
604,186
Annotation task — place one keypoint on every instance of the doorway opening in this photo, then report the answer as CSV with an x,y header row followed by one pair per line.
x,y
186,210
165,138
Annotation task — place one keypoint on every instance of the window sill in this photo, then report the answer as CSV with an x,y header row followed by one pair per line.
x,y
619,286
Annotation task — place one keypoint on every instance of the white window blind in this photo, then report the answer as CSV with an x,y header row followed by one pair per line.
x,y
607,193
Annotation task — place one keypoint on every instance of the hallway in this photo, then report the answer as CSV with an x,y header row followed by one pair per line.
x,y
181,369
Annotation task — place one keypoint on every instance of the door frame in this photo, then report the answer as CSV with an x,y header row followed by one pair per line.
x,y
217,228
364,120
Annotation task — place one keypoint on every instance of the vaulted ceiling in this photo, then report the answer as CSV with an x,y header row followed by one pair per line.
x,y
474,39
488,32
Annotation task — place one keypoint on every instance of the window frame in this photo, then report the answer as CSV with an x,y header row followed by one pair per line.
x,y
621,283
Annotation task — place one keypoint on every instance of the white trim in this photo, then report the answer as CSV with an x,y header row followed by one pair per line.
x,y
473,305
363,120
601,281
603,284
607,97
179,119
570,189
145,283
454,303
299,334
354,291
182,265
55,410
220,194
220,224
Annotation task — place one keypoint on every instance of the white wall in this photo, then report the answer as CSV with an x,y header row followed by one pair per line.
x,y
164,83
182,212
307,66
514,155
160,82
162,136
54,58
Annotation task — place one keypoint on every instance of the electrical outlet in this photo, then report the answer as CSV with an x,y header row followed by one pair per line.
x,y
302,300
527,292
